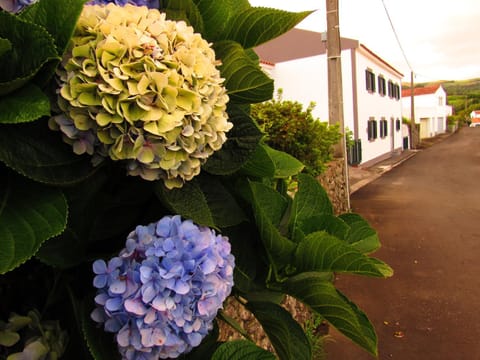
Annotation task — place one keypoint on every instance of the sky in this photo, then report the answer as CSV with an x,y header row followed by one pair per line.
x,y
440,38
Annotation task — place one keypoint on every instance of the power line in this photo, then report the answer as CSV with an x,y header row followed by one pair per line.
x,y
396,36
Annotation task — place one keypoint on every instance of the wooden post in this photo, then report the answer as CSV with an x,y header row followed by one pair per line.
x,y
335,94
335,91
413,128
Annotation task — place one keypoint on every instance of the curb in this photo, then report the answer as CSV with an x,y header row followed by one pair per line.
x,y
383,169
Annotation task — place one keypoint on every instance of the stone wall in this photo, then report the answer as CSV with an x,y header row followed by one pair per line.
x,y
333,180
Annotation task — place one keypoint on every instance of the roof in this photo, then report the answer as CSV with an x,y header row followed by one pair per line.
x,y
299,43
425,90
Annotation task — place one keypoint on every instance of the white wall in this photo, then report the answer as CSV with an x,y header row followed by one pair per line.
x,y
432,107
305,80
373,105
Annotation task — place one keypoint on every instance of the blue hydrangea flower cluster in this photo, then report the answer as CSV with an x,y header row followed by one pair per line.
x,y
162,293
152,4
15,6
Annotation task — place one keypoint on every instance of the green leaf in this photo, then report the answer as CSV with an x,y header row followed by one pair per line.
x,y
189,202
185,10
242,140
285,165
245,242
102,210
5,46
205,200
285,334
30,214
361,235
268,162
63,251
224,208
265,295
260,163
24,105
59,24
269,207
245,81
32,47
326,253
233,324
241,350
345,316
38,153
324,222
257,25
272,204
217,14
100,343
310,200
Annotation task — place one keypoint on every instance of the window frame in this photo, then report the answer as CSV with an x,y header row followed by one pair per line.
x,y
381,85
383,128
390,89
370,80
398,125
372,129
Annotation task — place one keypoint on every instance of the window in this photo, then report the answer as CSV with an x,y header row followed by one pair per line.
x,y
393,90
397,91
440,101
381,86
398,125
372,129
383,128
370,80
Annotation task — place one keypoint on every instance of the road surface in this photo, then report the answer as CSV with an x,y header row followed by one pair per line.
x,y
427,214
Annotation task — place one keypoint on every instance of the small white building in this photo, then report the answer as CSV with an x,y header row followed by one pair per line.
x,y
297,61
475,116
431,109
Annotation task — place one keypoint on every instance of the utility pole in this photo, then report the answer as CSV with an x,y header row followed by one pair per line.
x,y
413,129
335,92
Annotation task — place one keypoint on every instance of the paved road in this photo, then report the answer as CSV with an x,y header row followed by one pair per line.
x,y
427,213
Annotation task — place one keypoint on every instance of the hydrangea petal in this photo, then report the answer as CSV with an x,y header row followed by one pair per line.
x,y
118,287
114,304
135,306
100,281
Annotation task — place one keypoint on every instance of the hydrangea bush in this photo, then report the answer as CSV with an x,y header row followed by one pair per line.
x,y
139,88
161,294
135,115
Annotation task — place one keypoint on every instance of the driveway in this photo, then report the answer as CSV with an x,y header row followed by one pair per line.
x,y
427,214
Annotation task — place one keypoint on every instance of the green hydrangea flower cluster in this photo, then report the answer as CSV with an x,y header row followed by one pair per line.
x,y
141,89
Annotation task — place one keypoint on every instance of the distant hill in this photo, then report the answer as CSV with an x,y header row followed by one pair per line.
x,y
463,95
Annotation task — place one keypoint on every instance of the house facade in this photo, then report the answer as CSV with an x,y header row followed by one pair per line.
x,y
431,109
475,116
297,61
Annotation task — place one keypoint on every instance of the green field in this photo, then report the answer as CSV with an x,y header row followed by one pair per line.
x,y
463,95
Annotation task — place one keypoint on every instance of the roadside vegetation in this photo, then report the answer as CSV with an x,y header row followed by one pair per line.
x,y
292,129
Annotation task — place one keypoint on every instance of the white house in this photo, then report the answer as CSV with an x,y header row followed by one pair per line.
x,y
475,116
297,61
431,109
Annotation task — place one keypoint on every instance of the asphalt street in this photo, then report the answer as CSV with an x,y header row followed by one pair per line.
x,y
427,213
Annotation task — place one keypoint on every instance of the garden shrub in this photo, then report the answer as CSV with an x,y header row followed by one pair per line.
x,y
294,130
